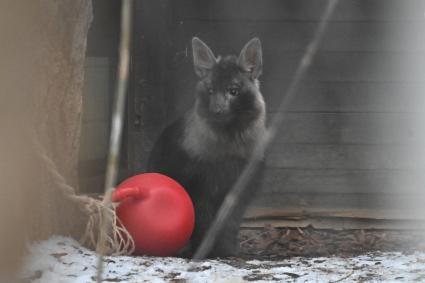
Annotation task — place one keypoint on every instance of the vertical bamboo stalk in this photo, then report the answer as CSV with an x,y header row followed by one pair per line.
x,y
116,130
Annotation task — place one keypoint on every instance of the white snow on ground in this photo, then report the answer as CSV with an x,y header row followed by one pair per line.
x,y
63,260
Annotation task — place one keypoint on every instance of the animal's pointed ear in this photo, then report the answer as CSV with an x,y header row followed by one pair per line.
x,y
251,58
203,57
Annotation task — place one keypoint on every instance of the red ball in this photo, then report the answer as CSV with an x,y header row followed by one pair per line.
x,y
157,212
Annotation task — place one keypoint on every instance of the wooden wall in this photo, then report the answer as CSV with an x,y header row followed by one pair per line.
x,y
349,141
99,79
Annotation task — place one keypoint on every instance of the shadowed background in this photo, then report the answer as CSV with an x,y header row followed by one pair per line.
x,y
350,149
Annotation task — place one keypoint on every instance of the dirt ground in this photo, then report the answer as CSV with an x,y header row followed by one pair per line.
x,y
273,243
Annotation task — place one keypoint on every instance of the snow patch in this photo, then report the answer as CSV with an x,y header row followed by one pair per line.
x,y
63,260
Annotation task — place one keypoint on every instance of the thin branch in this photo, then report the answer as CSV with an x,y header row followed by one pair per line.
x,y
343,278
116,131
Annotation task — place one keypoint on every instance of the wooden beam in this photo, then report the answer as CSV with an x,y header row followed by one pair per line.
x,y
337,224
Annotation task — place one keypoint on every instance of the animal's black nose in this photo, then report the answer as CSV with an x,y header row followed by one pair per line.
x,y
216,108
217,104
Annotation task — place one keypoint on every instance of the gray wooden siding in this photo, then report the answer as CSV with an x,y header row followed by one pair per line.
x,y
350,145
99,77
95,123
349,140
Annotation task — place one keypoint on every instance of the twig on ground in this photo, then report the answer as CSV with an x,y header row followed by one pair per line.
x,y
343,278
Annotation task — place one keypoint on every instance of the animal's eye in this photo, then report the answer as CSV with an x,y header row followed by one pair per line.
x,y
234,91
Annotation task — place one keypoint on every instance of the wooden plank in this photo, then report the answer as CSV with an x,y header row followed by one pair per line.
x,y
321,216
346,96
225,37
349,66
343,156
256,212
300,10
96,109
94,140
352,128
97,92
404,205
343,181
337,224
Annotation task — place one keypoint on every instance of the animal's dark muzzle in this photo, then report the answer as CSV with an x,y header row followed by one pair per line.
x,y
218,104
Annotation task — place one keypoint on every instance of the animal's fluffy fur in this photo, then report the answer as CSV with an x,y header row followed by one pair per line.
x,y
207,148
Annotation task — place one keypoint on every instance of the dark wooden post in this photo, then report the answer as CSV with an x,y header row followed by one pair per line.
x,y
147,102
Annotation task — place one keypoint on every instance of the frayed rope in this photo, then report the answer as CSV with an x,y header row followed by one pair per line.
x,y
117,239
